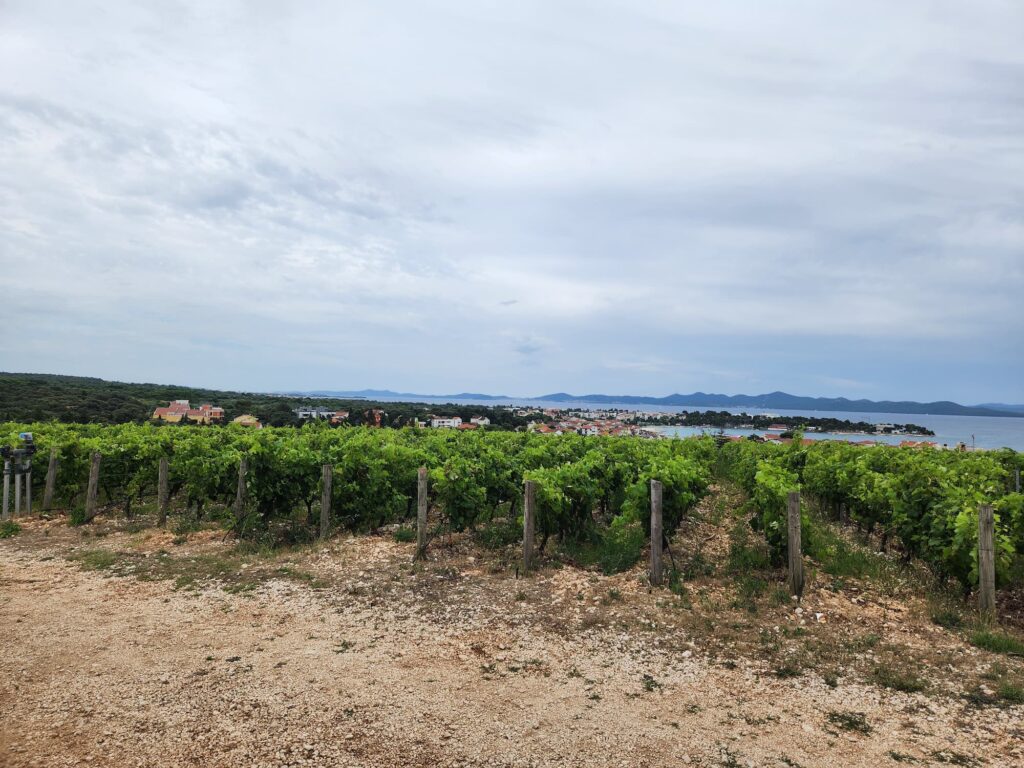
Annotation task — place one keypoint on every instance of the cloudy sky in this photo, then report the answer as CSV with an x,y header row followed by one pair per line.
x,y
630,197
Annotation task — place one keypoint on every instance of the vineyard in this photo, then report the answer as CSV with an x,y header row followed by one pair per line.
x,y
927,501
592,493
172,567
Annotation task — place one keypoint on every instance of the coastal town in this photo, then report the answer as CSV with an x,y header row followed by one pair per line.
x,y
580,421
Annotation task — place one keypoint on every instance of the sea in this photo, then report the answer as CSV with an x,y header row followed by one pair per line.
x,y
985,432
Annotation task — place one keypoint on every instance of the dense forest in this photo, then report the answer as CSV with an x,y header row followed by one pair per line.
x,y
83,400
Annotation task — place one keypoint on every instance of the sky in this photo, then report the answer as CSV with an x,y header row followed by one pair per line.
x,y
639,197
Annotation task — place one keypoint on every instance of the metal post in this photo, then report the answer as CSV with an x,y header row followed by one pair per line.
x,y
28,492
17,489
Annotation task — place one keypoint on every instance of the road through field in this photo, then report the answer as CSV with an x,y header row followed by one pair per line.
x,y
114,671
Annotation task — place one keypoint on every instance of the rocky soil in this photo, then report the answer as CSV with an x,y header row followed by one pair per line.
x,y
346,654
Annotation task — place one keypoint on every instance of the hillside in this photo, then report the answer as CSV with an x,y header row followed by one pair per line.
x,y
27,397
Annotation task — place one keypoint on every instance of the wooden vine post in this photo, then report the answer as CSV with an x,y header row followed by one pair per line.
x,y
327,481
796,561
28,492
529,510
656,532
986,562
51,480
93,488
421,513
240,491
17,494
162,492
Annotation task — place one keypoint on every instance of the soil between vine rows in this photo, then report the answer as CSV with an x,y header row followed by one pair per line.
x,y
347,654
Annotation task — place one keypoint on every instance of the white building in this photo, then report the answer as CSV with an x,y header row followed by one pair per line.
x,y
480,421
444,422
314,413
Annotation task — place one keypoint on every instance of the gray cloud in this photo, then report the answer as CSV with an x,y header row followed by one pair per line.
x,y
679,197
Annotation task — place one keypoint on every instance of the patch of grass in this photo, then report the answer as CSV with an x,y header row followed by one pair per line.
x,y
95,559
1011,692
746,554
850,721
898,680
837,556
748,589
9,528
498,534
948,618
998,642
405,534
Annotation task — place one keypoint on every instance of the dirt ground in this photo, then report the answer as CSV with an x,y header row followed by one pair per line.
x,y
345,654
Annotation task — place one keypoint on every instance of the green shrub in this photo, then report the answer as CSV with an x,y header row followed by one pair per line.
x,y
9,528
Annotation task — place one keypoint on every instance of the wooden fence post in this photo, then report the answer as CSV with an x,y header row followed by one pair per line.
x,y
93,488
28,492
162,492
844,514
51,480
240,491
656,532
6,514
17,492
529,507
986,562
327,480
421,513
796,561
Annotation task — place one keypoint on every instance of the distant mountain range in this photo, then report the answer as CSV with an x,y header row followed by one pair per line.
x,y
771,400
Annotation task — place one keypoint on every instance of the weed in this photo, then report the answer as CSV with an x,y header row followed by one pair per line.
x,y
650,684
405,534
954,758
898,680
789,668
850,721
902,757
343,646
9,528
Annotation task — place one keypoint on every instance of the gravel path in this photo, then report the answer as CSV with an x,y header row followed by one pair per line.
x,y
110,671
